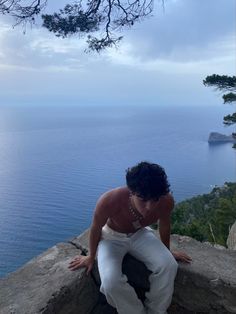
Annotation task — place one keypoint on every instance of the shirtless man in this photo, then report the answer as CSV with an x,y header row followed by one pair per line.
x,y
119,227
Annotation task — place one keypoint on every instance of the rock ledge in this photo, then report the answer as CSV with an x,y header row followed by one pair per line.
x,y
45,285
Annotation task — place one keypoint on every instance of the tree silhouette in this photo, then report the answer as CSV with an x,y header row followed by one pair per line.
x,y
83,18
224,83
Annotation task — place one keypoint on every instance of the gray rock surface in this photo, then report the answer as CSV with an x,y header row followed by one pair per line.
x,y
46,285
231,240
208,284
215,137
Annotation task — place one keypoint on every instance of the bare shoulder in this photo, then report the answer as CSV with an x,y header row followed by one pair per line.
x,y
111,200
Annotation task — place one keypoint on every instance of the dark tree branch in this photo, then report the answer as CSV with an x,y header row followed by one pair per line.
x,y
23,11
108,16
221,82
228,98
83,18
230,119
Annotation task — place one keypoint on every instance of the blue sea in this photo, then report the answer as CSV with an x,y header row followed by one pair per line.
x,y
55,161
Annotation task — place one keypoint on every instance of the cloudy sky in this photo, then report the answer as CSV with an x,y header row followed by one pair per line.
x,y
161,61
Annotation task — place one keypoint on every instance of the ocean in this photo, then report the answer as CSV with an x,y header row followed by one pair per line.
x,y
55,161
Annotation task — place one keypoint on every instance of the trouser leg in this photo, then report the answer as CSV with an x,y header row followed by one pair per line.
x,y
114,284
146,247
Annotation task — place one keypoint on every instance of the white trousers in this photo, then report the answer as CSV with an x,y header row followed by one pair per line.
x,y
146,247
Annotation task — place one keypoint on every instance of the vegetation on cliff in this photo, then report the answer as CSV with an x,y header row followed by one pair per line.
x,y
207,217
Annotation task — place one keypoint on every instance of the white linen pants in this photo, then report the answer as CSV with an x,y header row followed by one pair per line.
x,y
146,247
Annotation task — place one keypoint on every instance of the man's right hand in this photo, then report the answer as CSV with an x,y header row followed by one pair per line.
x,y
82,261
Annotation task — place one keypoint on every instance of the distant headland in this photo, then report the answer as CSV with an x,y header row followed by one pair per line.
x,y
216,137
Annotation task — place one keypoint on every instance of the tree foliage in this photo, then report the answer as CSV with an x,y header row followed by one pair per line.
x,y
226,84
221,82
230,119
83,18
230,97
22,10
207,217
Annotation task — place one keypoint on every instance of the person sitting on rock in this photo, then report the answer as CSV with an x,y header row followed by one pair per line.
x,y
120,226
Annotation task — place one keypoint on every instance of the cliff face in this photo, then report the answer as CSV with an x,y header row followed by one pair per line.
x,y
46,285
215,137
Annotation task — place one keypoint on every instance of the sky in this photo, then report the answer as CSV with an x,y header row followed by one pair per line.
x,y
160,61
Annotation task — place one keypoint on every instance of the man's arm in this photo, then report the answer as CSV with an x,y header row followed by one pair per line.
x,y
100,217
165,230
165,220
101,214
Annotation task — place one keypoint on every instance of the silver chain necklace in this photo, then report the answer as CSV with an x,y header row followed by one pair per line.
x,y
138,217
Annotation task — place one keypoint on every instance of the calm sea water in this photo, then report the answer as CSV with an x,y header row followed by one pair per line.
x,y
56,161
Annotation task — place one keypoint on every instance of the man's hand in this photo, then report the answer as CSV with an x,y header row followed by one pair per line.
x,y
82,261
181,256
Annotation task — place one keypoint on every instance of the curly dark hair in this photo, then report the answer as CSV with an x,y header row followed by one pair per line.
x,y
147,180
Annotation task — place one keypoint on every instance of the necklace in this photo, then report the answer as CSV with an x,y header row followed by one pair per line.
x,y
138,217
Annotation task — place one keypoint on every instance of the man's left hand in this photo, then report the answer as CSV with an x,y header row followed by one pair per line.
x,y
181,256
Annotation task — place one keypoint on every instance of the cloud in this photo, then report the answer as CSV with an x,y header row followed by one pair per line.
x,y
163,60
186,30
35,49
